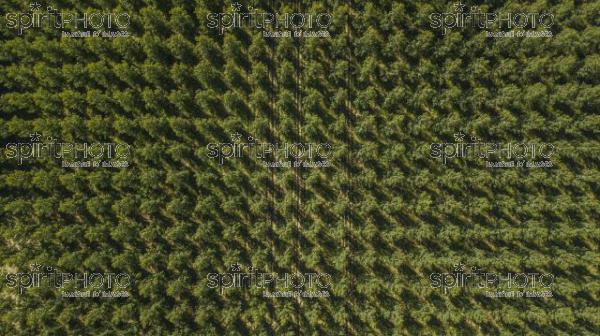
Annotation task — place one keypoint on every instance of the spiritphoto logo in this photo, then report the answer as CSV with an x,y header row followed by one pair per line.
x,y
272,284
523,284
511,154
85,155
272,24
475,18
46,16
273,155
87,284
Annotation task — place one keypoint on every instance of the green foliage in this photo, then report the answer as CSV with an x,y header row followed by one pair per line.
x,y
382,218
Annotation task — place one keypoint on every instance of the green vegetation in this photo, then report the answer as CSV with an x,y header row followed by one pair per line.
x,y
383,217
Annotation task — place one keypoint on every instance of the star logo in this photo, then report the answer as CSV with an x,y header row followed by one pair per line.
x,y
35,267
459,267
34,6
35,137
459,136
235,267
236,6
235,136
459,6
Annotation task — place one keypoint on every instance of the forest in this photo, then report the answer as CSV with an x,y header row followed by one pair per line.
x,y
186,157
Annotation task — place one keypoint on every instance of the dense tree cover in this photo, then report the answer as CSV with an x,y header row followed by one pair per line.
x,y
382,88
